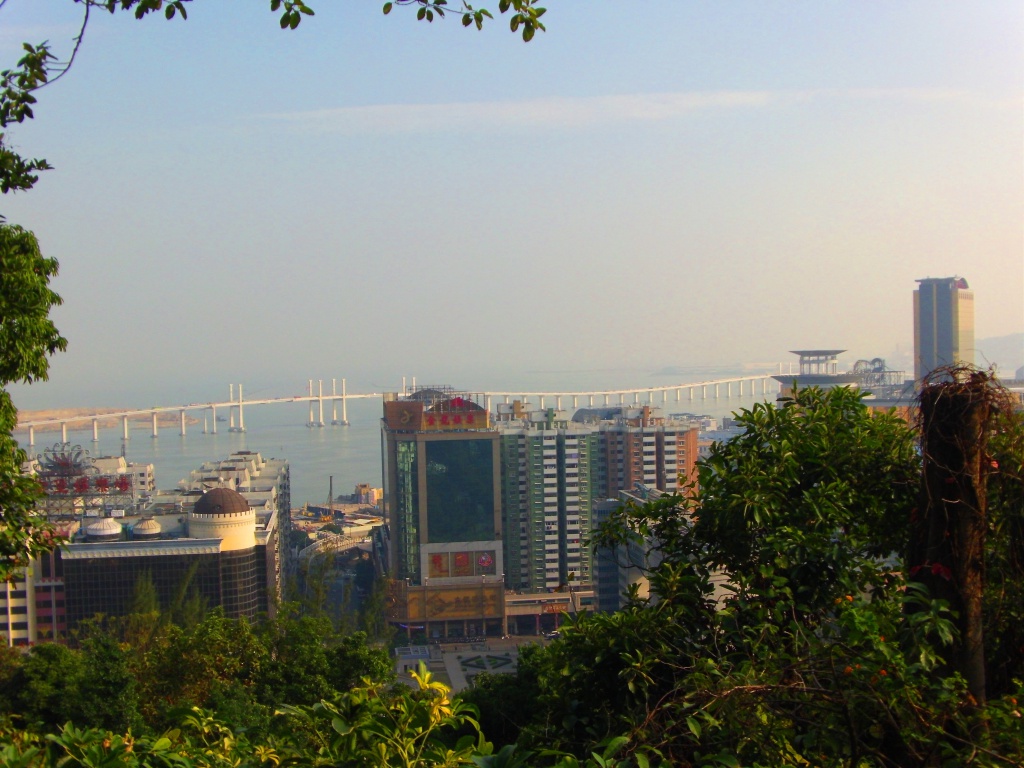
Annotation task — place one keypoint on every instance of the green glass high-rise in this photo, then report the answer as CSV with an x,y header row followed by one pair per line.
x,y
442,497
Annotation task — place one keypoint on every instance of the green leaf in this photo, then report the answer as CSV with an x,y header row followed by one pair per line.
x,y
694,726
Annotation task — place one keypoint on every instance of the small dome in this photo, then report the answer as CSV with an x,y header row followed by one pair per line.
x,y
221,501
147,529
107,529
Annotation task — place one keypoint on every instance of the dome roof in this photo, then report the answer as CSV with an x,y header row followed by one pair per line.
x,y
147,529
221,501
106,529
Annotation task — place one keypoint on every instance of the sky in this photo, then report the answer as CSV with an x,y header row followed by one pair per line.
x,y
647,187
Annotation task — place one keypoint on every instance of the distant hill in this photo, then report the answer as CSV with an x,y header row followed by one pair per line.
x,y
1005,352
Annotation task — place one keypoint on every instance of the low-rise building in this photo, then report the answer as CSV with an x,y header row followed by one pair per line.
x,y
210,545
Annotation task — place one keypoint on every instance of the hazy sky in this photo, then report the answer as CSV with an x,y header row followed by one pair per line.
x,y
648,184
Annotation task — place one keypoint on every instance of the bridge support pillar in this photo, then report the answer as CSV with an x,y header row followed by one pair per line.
x,y
716,391
679,394
214,430
506,399
241,414
334,399
575,402
320,403
154,424
606,399
691,394
591,401
95,430
124,427
31,436
344,401
182,421
542,402
704,392
63,432
728,389
488,404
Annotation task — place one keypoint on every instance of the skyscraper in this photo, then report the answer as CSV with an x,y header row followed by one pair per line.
x,y
548,486
554,470
943,324
442,495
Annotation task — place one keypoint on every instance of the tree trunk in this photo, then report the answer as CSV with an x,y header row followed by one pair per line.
x,y
947,551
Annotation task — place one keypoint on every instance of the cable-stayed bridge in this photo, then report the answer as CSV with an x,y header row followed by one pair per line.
x,y
235,405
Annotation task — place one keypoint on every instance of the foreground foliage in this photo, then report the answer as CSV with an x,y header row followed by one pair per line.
x,y
367,726
138,674
27,338
781,631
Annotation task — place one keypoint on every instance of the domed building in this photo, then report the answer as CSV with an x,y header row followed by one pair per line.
x,y
213,552
220,539
223,513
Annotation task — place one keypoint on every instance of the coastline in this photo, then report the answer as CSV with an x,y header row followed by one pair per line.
x,y
164,418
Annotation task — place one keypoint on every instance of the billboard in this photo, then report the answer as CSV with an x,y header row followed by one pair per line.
x,y
404,415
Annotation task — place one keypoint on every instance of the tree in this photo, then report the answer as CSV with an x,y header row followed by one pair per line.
x,y
806,503
817,654
368,727
27,338
961,409
352,659
373,612
297,667
45,686
106,691
1003,601
224,658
